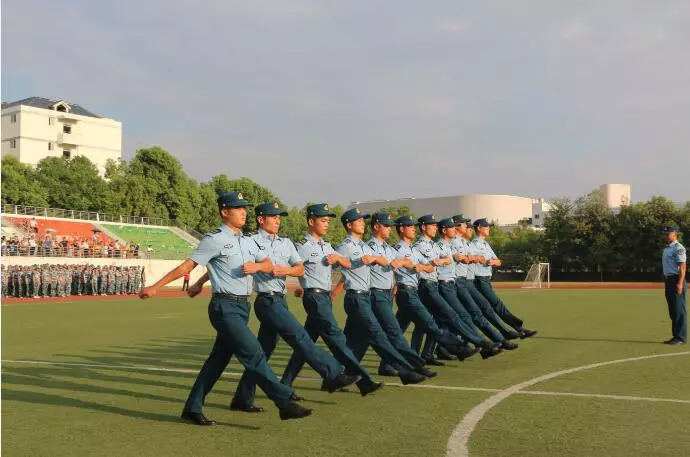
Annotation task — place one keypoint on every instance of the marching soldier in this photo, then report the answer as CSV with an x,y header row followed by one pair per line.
x,y
482,278
272,311
230,258
319,258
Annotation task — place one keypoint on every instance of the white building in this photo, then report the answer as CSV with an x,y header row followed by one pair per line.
x,y
616,195
504,210
37,127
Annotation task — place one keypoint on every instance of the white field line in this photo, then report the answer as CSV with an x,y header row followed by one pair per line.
x,y
416,386
458,442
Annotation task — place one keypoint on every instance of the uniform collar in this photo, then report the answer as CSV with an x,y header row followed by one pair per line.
x,y
310,237
377,241
674,242
230,231
264,234
355,239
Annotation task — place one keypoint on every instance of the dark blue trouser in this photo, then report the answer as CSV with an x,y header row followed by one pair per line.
x,y
477,314
483,284
362,329
229,317
486,308
321,322
411,309
449,292
382,306
276,319
445,316
676,308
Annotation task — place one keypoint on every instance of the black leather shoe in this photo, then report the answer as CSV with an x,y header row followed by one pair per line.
x,y
197,418
512,336
527,333
434,363
294,411
367,387
340,381
324,388
486,353
466,352
295,397
389,372
247,409
508,346
443,354
676,342
424,371
670,340
412,378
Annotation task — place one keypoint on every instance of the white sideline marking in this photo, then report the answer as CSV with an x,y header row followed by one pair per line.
x,y
416,386
457,443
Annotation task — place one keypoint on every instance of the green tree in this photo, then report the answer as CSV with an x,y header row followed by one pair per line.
x,y
19,184
74,184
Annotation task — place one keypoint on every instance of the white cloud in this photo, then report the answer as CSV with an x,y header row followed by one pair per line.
x,y
575,31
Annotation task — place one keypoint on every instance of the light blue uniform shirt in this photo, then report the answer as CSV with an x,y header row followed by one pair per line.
x,y
317,272
382,277
482,248
281,251
446,272
224,252
357,277
407,276
460,246
674,254
429,251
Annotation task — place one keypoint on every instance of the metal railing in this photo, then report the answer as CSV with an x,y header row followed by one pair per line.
x,y
93,216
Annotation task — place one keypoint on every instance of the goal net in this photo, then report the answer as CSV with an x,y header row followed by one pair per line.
x,y
538,277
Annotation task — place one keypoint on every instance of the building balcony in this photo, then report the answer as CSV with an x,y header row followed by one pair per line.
x,y
69,138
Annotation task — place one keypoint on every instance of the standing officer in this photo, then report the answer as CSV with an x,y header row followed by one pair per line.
x,y
410,307
5,282
36,281
382,283
272,310
362,328
319,257
103,280
482,277
674,263
230,259
429,291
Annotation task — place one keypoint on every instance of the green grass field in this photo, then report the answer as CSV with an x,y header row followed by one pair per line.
x,y
98,394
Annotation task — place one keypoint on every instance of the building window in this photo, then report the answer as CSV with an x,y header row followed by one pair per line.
x,y
61,108
51,120
13,144
66,154
13,118
66,129
50,146
536,216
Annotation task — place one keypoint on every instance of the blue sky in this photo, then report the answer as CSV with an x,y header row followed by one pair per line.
x,y
359,100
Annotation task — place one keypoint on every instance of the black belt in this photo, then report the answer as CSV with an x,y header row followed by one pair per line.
x,y
357,292
376,289
405,286
271,294
242,298
315,290
427,281
447,281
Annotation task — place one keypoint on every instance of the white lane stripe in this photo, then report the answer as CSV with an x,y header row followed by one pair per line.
x,y
457,443
418,386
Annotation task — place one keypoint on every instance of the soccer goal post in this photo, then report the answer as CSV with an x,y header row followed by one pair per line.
x,y
538,277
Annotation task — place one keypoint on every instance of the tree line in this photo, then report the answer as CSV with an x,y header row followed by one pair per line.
x,y
580,235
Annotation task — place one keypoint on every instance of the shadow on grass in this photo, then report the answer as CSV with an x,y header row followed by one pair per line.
x,y
59,400
594,340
